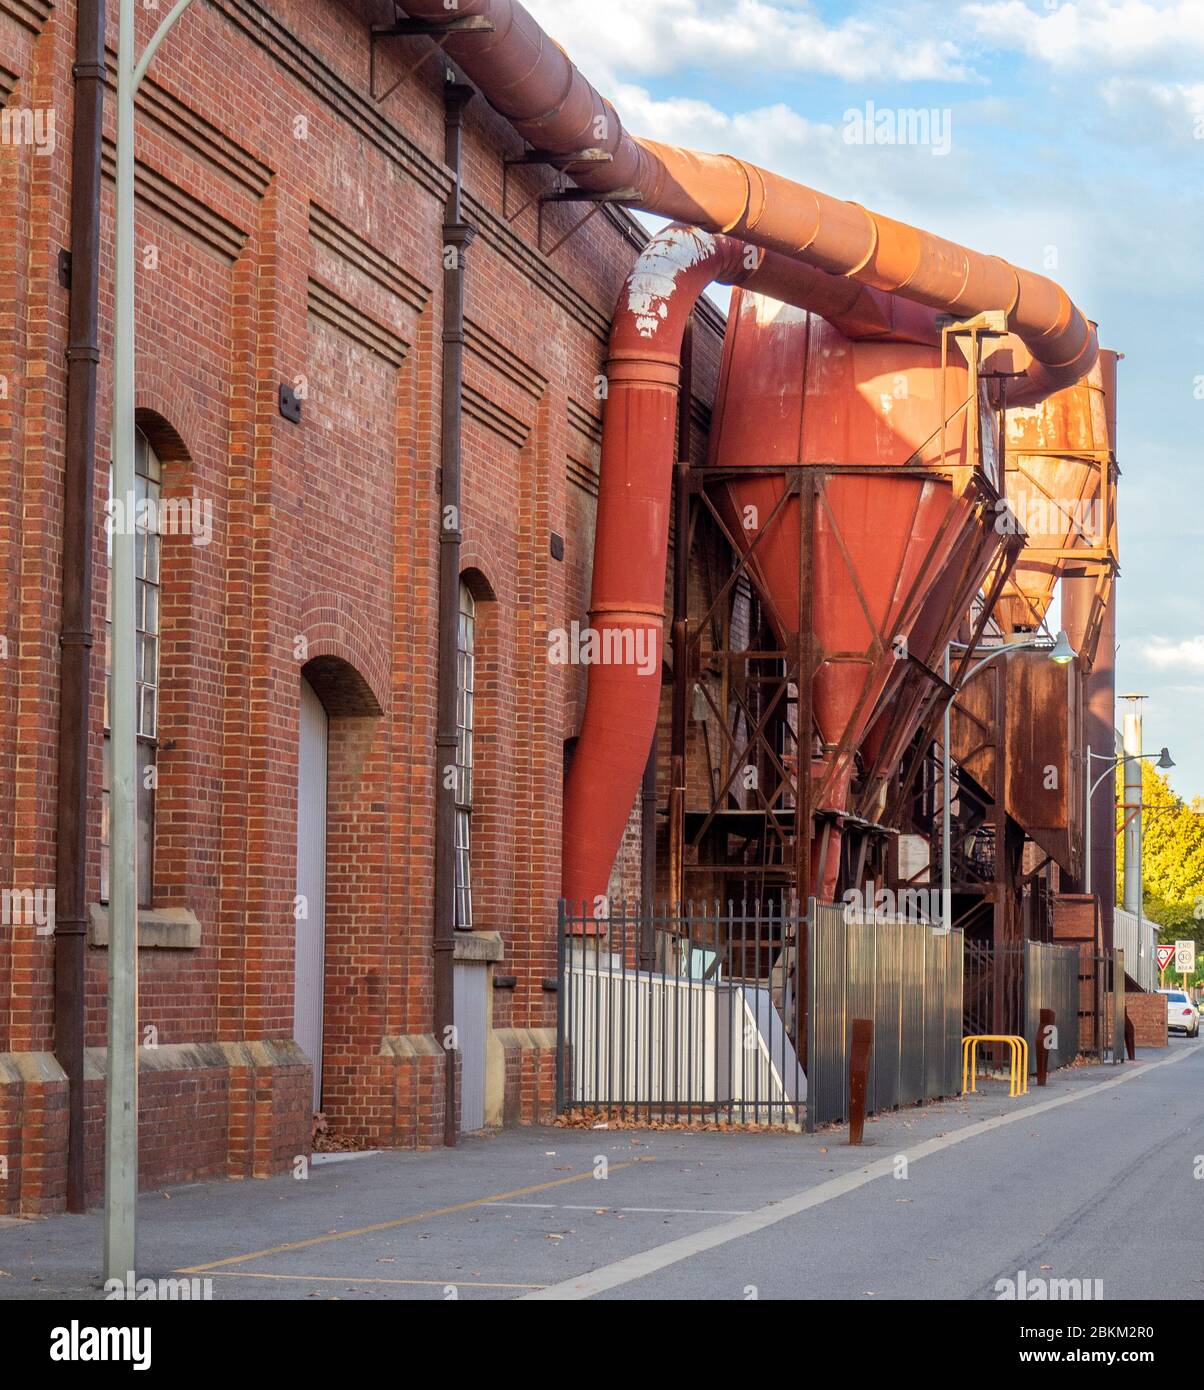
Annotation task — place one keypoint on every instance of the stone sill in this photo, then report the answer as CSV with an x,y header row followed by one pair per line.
x,y
479,946
168,928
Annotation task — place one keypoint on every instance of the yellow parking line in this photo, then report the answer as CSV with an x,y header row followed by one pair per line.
x,y
353,1279
402,1220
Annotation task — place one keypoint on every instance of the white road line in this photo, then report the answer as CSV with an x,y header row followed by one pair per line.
x,y
654,1211
672,1252
667,1211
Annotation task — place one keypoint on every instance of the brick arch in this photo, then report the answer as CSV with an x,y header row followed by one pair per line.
x,y
166,414
337,640
479,564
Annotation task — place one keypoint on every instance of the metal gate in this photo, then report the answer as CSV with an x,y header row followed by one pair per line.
x,y
906,977
684,1017
1007,989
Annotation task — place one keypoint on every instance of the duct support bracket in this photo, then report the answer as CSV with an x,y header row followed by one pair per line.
x,y
419,28
627,197
547,159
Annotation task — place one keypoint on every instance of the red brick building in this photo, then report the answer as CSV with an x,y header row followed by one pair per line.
x,y
290,233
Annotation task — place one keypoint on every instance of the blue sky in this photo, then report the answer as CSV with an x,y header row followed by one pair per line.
x,y
1077,148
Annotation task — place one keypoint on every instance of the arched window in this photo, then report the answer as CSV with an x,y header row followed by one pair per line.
x,y
148,479
465,686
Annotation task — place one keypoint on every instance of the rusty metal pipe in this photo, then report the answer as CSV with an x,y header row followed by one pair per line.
x,y
627,602
534,83
78,551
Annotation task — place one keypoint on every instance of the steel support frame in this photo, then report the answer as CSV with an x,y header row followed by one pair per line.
x,y
1099,562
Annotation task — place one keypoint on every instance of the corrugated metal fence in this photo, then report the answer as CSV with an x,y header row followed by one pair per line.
x,y
1140,945
906,977
1051,981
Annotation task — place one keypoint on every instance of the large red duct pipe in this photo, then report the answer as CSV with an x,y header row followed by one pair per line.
x,y
533,82
627,602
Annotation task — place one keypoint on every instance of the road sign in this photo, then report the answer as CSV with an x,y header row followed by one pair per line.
x,y
1165,955
1185,957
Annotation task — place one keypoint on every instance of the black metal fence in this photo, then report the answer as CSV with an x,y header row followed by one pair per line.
x,y
695,1016
906,977
680,1016
1006,990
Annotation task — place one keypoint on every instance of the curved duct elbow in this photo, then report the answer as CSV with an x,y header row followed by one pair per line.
x,y
627,601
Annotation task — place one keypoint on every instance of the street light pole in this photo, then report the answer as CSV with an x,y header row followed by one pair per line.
x,y
1133,886
1134,760
121,1082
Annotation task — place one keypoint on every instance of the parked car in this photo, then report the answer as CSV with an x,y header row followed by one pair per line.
x,y
1181,1013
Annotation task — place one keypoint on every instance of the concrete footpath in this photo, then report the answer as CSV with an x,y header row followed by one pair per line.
x,y
1089,1179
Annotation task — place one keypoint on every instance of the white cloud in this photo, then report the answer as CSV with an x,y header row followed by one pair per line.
x,y
942,195
1184,655
649,38
1093,33
1149,109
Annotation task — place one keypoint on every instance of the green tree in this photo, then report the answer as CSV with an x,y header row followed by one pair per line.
x,y
1174,859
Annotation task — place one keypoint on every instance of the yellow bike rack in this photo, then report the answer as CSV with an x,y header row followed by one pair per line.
x,y
1018,1079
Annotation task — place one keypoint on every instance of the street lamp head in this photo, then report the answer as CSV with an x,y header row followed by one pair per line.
x,y
1164,759
1062,652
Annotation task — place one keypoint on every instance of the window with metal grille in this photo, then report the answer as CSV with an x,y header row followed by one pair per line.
x,y
147,482
465,682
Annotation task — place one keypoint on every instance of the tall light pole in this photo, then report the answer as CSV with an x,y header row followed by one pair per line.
x,y
1134,888
121,1083
1164,761
1062,653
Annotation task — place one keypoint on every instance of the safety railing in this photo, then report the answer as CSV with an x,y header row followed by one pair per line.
x,y
1018,1065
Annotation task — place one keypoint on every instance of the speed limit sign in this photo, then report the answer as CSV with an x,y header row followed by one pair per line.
x,y
1185,957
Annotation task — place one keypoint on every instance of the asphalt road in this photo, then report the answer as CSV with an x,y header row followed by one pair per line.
x,y
1097,1177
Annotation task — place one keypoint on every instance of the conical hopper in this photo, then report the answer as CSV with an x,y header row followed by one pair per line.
x,y
910,694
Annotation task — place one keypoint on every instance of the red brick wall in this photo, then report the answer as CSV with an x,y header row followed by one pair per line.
x,y
1148,1014
289,231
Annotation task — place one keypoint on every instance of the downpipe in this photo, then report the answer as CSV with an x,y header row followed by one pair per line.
x,y
78,555
456,238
